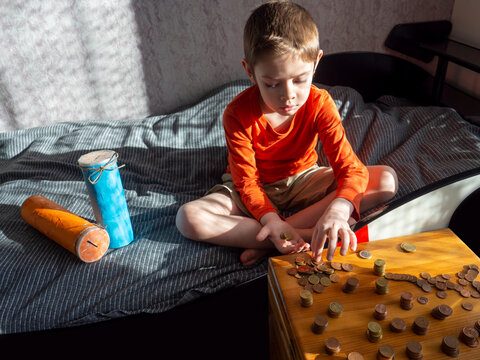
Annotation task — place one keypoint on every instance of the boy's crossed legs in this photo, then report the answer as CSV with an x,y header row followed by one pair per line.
x,y
216,218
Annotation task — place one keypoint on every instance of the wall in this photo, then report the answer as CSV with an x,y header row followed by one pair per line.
x,y
466,29
72,60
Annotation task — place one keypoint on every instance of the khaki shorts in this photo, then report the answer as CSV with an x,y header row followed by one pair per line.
x,y
292,194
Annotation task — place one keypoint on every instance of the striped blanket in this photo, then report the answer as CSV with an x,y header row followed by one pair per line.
x,y
169,160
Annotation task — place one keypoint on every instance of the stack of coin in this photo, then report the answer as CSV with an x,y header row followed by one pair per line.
x,y
374,332
306,298
332,346
414,350
379,267
420,325
319,324
406,300
442,311
335,309
381,286
477,325
385,352
380,312
469,336
351,285
450,346
398,325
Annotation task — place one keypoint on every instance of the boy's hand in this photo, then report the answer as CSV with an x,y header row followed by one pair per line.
x,y
333,225
282,235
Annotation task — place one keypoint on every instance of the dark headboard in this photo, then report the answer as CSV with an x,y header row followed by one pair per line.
x,y
375,74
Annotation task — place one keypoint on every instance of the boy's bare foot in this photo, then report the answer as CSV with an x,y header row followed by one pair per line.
x,y
251,256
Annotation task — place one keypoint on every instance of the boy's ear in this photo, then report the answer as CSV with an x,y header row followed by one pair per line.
x,y
320,54
248,70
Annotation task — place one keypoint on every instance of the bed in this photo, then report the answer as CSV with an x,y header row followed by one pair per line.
x,y
164,289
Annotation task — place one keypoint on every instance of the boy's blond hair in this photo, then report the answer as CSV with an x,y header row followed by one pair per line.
x,y
279,27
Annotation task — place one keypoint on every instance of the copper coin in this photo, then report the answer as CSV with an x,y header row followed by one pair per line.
x,y
407,296
475,294
336,265
302,281
355,356
347,267
318,288
445,310
421,323
450,285
467,306
441,285
332,345
441,294
305,269
462,282
300,260
422,300
451,342
386,351
398,325
425,275
426,288
465,293
291,271
334,278
414,347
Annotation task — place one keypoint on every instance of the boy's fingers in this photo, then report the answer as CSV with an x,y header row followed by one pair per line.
x,y
332,244
263,234
345,236
353,241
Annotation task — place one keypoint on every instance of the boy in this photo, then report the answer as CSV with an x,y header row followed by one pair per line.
x,y
271,131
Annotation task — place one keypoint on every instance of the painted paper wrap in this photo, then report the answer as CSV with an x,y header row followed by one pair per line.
x,y
102,178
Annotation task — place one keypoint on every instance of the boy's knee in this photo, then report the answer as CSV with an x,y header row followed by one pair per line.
x,y
388,181
186,220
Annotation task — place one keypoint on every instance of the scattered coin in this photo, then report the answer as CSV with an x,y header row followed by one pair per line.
x,y
347,267
441,294
334,278
291,271
467,306
422,300
336,265
325,281
313,279
318,288
365,254
407,247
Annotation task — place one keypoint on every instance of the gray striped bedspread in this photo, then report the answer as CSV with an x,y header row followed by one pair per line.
x,y
169,160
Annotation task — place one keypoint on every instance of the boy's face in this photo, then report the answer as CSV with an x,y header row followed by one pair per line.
x,y
284,83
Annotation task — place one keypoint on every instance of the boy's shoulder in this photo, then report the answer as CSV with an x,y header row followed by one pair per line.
x,y
317,93
246,96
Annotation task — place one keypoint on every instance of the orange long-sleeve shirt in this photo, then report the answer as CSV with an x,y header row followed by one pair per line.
x,y
258,154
